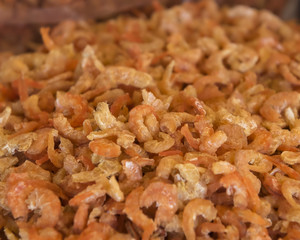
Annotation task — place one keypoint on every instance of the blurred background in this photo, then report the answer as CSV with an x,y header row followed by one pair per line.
x,y
20,19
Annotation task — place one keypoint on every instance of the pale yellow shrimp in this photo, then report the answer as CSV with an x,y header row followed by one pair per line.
x,y
222,167
215,61
32,109
188,182
242,118
135,214
156,146
290,72
290,158
55,157
160,105
192,210
172,120
125,138
152,124
242,58
165,196
4,116
104,118
90,63
291,192
41,143
65,129
166,165
48,204
136,123
114,75
274,105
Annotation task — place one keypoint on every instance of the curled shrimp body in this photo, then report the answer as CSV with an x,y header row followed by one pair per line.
x,y
72,105
242,59
19,188
136,123
235,186
171,121
115,75
133,167
274,105
89,195
65,129
155,146
290,190
48,204
165,196
194,208
135,214
212,143
105,148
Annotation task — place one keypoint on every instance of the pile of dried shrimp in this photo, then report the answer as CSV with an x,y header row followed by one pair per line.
x,y
182,125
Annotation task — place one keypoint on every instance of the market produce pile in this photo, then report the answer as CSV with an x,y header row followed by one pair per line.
x,y
181,125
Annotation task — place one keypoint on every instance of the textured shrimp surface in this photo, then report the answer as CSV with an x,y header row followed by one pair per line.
x,y
180,125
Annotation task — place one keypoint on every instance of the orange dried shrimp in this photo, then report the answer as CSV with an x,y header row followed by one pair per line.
x,y
182,125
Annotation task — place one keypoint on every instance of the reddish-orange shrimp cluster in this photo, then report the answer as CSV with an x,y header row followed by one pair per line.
x,y
182,125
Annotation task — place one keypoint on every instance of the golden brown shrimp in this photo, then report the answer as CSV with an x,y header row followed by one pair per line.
x,y
48,204
105,148
165,196
135,214
274,105
196,207
156,146
136,122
